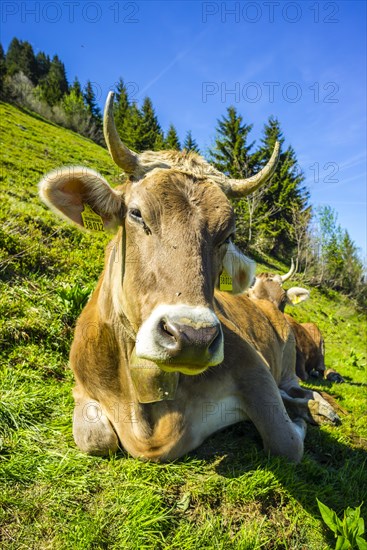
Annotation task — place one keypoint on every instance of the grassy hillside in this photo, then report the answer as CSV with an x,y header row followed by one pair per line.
x,y
227,494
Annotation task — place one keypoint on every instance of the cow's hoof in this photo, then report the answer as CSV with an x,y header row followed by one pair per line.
x,y
334,376
322,413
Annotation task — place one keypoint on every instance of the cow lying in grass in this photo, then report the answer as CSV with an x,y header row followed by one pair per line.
x,y
162,356
309,340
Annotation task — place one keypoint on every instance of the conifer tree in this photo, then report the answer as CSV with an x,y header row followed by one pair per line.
x,y
285,193
159,142
43,64
13,56
20,58
190,144
2,69
121,109
55,85
76,88
230,154
91,102
27,62
151,132
132,136
171,141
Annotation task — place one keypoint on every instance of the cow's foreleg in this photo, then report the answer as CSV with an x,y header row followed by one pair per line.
x,y
264,406
307,404
301,366
92,431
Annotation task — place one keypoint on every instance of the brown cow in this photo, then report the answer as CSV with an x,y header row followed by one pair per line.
x,y
162,358
309,340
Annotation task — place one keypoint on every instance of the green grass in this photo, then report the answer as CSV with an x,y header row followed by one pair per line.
x,y
227,494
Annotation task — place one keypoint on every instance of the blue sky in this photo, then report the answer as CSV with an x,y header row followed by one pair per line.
x,y
303,62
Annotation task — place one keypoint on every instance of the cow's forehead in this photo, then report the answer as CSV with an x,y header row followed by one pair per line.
x,y
164,191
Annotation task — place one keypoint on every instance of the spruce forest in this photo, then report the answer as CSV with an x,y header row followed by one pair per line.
x,y
277,220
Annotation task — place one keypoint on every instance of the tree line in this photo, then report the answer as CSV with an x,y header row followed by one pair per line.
x,y
276,220
40,83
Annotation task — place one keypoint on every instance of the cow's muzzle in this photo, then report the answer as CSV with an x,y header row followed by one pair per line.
x,y
181,338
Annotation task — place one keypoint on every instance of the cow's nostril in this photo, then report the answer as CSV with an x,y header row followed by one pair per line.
x,y
217,338
210,334
165,328
168,330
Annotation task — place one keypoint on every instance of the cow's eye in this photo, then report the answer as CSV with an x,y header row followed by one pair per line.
x,y
135,214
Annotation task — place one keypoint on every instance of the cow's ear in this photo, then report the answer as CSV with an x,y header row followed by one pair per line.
x,y
84,197
240,268
296,295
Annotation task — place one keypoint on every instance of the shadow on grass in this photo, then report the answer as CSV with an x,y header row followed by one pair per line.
x,y
331,470
349,381
320,383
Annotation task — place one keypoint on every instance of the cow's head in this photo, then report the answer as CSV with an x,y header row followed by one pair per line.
x,y
268,286
175,238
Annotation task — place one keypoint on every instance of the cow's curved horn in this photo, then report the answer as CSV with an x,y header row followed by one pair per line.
x,y
236,188
290,272
122,155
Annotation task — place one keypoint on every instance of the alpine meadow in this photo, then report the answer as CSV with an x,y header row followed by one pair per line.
x,y
226,494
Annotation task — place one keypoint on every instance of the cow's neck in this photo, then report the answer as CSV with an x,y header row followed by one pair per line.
x,y
149,383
